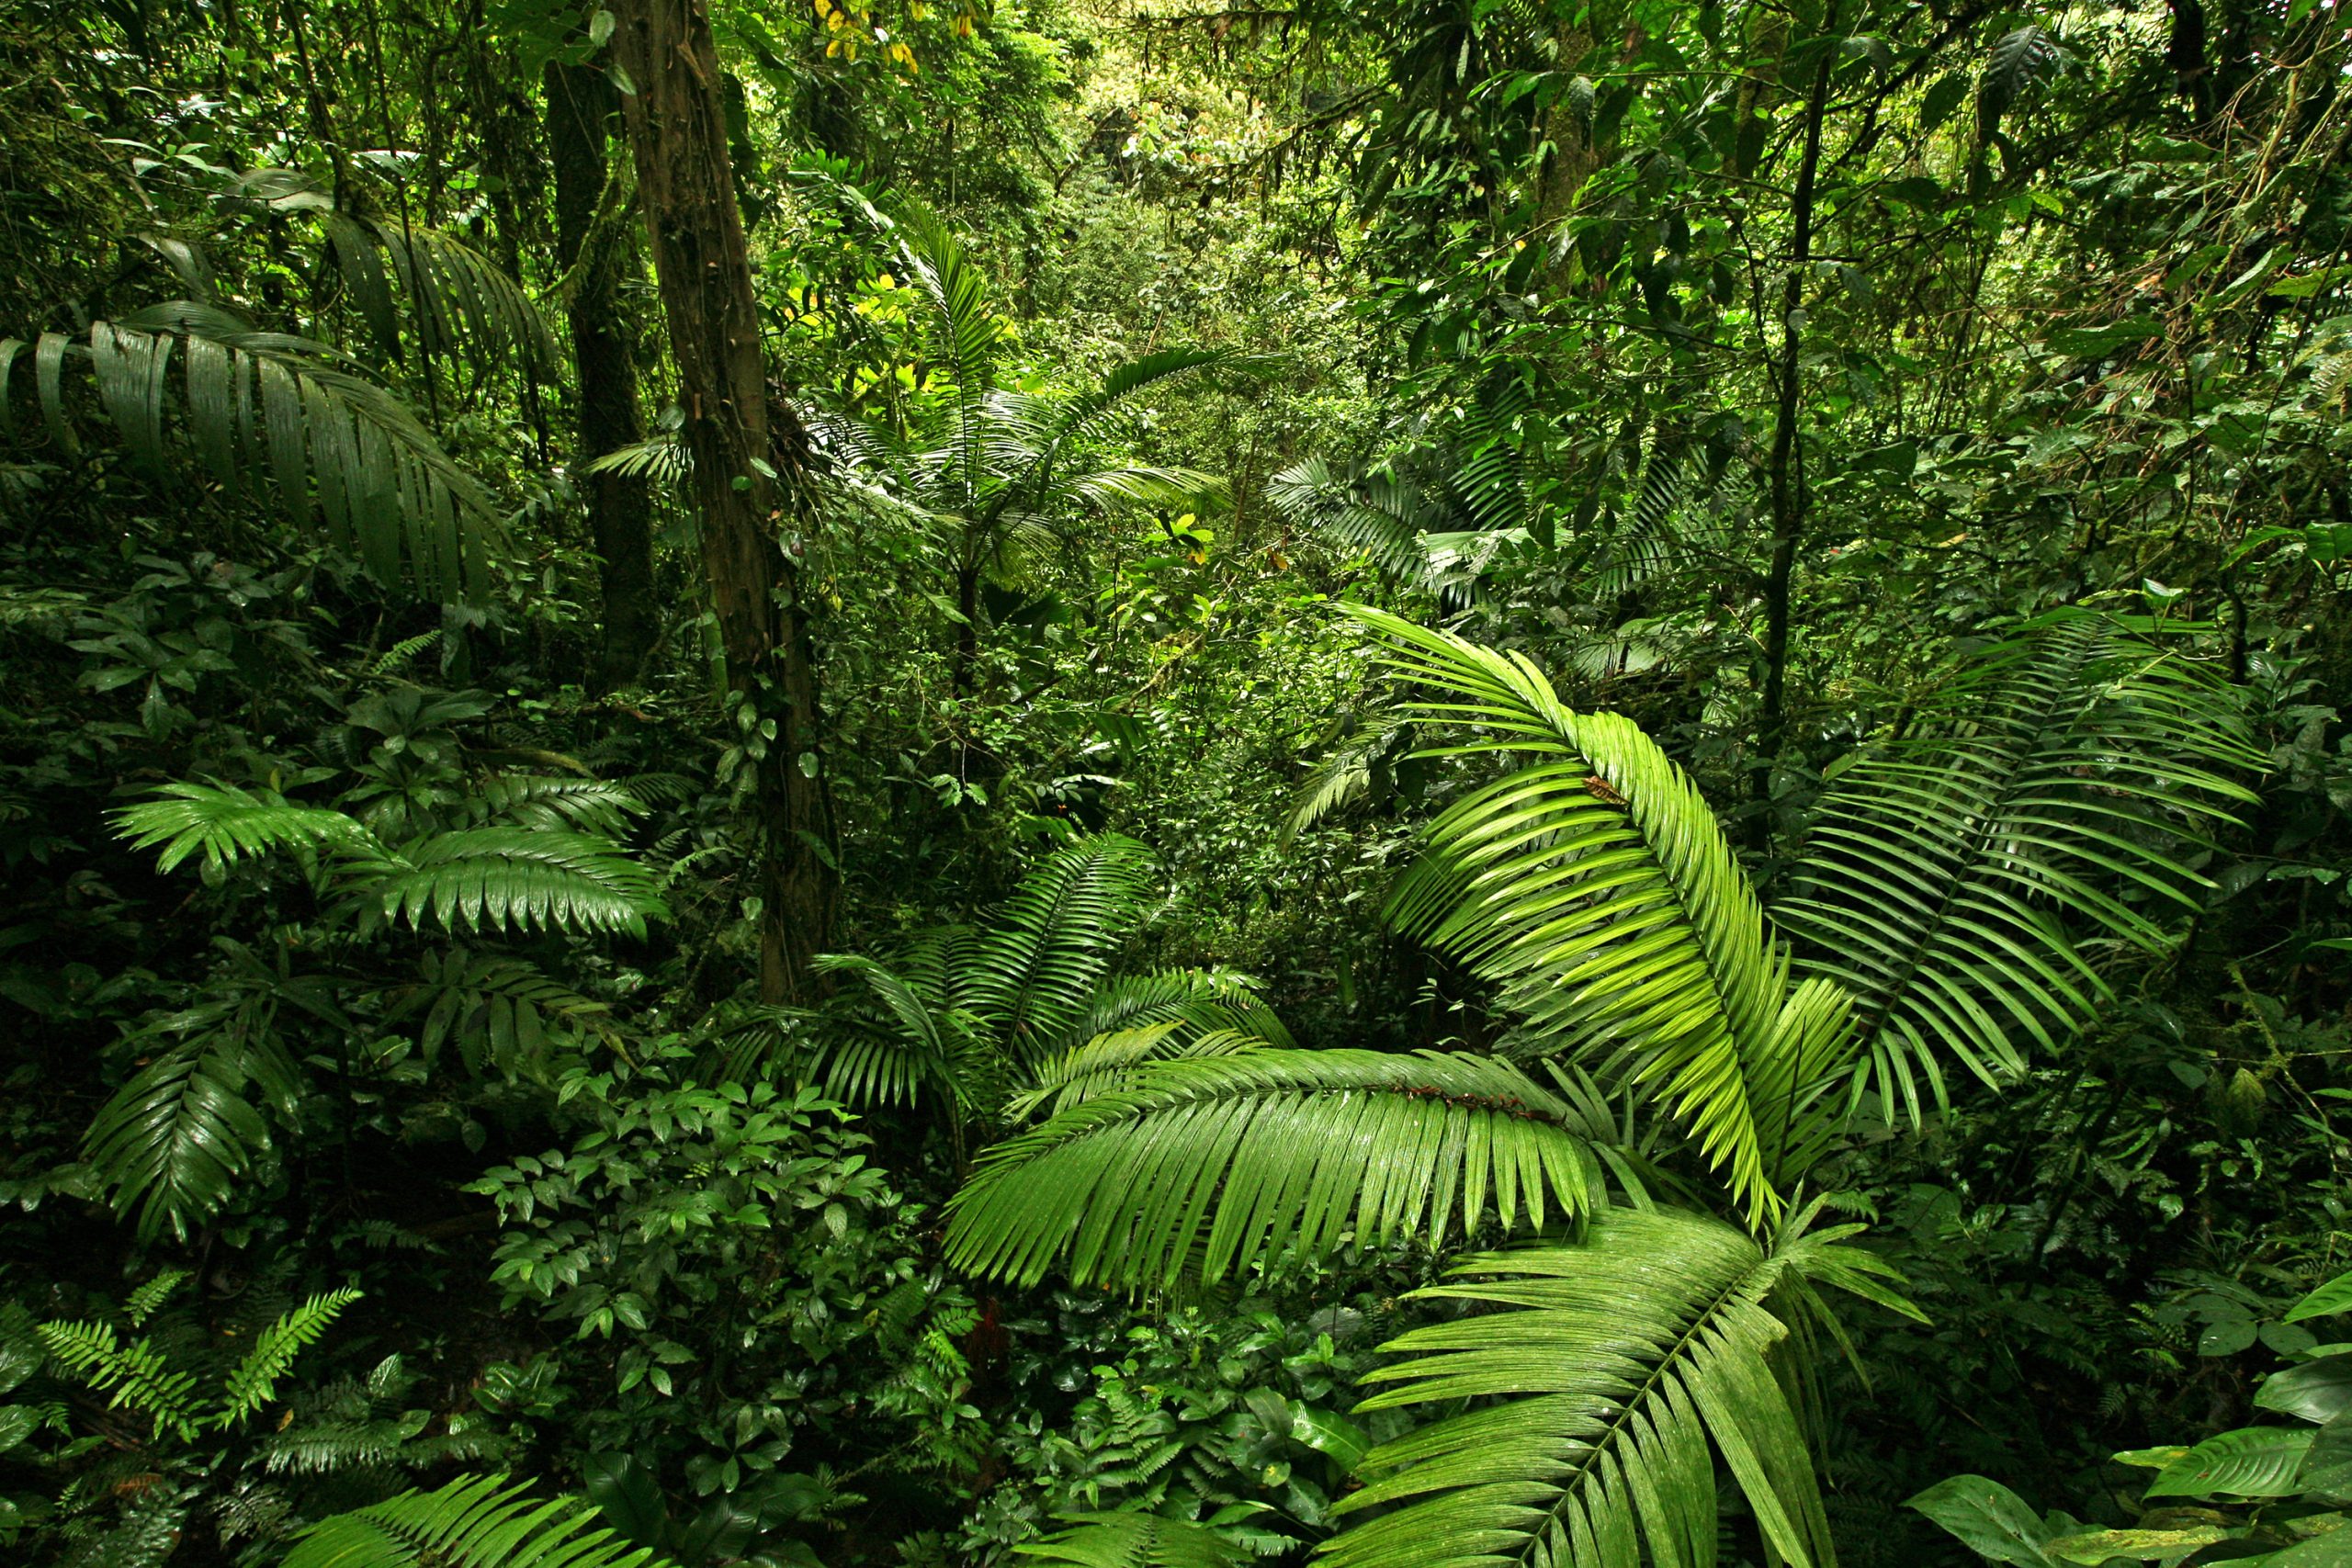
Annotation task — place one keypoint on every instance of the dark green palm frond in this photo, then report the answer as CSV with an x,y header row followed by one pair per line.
x,y
1621,1372
1198,999
172,1143
501,877
1597,887
505,1014
1382,517
2055,784
1136,1540
662,459
905,1042
472,1522
1033,969
1162,488
1221,1161
1108,1063
456,299
253,402
228,824
591,806
253,1381
1052,429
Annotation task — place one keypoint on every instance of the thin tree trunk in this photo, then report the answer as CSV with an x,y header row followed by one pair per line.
x,y
1785,470
743,447
581,102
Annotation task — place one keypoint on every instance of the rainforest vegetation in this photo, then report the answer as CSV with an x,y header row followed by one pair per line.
x,y
1166,784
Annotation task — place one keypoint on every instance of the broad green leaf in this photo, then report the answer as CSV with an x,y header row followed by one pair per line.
x,y
2252,1461
2317,1390
2333,1297
1990,1520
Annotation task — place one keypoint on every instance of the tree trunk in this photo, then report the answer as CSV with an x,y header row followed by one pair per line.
x,y
581,102
748,455
1785,470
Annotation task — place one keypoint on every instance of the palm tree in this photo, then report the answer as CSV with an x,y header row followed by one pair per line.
x,y
1583,1412
1022,1011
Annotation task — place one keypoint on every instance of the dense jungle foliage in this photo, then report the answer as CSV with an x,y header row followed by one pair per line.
x,y
1140,783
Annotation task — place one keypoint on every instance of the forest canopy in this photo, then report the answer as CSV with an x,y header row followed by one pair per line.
x,y
1407,783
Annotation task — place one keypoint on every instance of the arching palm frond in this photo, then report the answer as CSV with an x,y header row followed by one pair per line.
x,y
256,402
1035,968
501,877
901,1038
1110,1063
1195,999
526,800
472,1522
228,824
1136,1540
171,1145
1051,429
526,877
452,297
1595,886
1613,1376
2054,785
1213,1164
1383,517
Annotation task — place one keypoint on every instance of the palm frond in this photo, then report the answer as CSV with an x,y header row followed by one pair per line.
x,y
1035,968
1198,999
456,298
1218,1162
1620,1370
591,806
228,824
256,401
2056,784
1163,487
909,1039
1107,1063
172,1143
1382,517
501,877
1051,430
1597,887
472,1522
253,1381
1136,1540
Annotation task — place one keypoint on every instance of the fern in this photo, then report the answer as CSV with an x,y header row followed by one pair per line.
x,y
172,1143
136,1374
143,1303
254,1379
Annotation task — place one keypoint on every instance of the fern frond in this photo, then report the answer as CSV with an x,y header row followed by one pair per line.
x,y
1222,1161
1620,1372
472,1522
143,1303
136,1374
228,824
254,1379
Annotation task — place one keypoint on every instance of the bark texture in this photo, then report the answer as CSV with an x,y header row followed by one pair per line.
x,y
749,455
598,258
